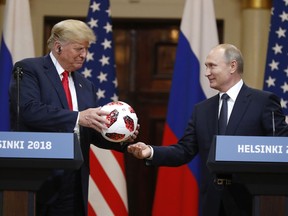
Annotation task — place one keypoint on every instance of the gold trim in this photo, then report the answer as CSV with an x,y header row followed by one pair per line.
x,y
256,4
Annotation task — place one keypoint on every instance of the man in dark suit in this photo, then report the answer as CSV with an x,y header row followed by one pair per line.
x,y
249,114
44,107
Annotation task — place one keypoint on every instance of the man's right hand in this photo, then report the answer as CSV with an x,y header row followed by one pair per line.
x,y
94,118
140,150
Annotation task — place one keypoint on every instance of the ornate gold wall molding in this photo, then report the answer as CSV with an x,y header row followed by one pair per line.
x,y
256,4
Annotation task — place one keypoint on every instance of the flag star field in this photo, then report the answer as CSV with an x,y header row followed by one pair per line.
x,y
276,70
100,64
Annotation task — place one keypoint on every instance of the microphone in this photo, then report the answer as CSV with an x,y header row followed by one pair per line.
x,y
273,123
18,73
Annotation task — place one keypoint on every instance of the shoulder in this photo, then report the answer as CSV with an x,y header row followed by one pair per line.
x,y
211,100
34,59
253,92
28,62
206,106
258,96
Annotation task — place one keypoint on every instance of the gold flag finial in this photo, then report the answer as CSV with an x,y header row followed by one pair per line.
x,y
257,4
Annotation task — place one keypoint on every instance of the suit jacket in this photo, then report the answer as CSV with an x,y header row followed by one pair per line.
x,y
44,107
251,116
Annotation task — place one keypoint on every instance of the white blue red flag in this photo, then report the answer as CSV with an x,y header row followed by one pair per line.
x,y
107,182
177,188
16,44
276,70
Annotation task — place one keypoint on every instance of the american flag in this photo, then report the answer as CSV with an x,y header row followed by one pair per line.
x,y
276,70
107,182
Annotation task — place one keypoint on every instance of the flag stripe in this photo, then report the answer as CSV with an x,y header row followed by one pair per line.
x,y
5,74
182,85
90,208
202,36
113,170
100,206
17,29
198,34
106,187
119,158
16,44
176,185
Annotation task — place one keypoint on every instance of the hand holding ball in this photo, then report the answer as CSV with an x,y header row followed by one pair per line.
x,y
123,121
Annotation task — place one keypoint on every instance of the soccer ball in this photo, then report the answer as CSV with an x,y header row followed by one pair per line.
x,y
123,121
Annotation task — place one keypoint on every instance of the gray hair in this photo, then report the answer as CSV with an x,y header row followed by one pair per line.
x,y
231,53
70,31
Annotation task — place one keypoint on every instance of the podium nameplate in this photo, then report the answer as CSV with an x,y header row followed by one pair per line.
x,y
251,149
258,162
29,158
36,145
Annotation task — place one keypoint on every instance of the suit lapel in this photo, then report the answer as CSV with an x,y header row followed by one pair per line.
x,y
239,109
212,123
79,87
52,75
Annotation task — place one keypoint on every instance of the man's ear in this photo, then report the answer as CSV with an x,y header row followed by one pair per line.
x,y
234,66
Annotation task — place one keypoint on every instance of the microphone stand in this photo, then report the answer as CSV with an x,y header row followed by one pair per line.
x,y
273,123
18,73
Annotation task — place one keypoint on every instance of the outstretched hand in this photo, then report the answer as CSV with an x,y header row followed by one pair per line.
x,y
140,150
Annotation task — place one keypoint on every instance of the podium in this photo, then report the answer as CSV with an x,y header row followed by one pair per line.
x,y
260,163
27,160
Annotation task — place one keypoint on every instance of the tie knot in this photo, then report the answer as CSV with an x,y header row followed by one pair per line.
x,y
65,74
225,97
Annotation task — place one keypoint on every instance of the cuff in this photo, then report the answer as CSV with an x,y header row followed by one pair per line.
x,y
152,153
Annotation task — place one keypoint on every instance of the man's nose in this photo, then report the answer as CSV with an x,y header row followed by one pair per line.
x,y
207,72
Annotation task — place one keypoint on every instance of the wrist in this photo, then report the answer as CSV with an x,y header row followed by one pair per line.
x,y
151,153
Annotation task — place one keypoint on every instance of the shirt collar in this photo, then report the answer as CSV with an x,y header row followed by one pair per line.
x,y
233,91
56,64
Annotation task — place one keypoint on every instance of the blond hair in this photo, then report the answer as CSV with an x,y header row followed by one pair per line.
x,y
70,31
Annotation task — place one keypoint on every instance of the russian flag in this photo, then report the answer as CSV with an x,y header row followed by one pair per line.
x,y
16,44
177,189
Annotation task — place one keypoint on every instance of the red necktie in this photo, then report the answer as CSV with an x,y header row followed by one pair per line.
x,y
65,83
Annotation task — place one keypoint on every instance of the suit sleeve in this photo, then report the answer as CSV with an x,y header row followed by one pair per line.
x,y
180,153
